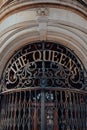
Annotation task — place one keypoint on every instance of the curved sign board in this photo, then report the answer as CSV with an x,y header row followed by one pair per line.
x,y
43,64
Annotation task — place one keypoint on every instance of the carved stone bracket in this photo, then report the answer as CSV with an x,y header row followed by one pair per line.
x,y
42,12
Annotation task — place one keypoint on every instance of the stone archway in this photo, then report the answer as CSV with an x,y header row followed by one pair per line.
x,y
30,22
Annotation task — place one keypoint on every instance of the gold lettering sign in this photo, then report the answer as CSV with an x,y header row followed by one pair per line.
x,y
49,55
54,62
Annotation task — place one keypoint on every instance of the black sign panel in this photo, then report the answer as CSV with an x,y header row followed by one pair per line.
x,y
44,64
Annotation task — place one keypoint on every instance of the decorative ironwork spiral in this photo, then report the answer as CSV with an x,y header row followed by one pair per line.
x,y
44,64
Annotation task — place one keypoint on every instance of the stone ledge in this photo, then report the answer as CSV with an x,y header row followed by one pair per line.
x,y
7,6
80,3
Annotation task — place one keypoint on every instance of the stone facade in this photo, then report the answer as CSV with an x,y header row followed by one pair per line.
x,y
28,21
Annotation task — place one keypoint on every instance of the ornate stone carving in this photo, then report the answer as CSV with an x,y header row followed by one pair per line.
x,y
42,11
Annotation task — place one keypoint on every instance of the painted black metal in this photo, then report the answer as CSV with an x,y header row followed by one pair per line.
x,y
44,64
43,89
43,109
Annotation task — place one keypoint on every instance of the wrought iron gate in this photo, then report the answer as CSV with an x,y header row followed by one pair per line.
x,y
43,109
43,88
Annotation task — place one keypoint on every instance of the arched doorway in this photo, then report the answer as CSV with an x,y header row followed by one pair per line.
x,y
43,89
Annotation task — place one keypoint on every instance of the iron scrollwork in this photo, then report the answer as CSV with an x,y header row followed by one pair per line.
x,y
43,64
